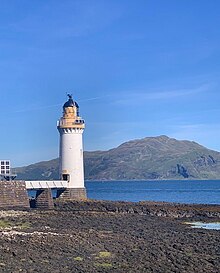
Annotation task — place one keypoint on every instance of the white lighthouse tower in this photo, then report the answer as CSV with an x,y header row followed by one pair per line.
x,y
71,127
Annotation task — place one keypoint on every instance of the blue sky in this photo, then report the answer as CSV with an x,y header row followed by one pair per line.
x,y
136,68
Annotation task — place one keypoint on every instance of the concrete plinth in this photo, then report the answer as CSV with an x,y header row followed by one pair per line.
x,y
74,194
44,199
13,195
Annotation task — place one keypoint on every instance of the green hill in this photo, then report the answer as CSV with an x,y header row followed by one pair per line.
x,y
149,158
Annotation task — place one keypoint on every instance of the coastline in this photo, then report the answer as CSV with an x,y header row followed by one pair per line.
x,y
153,180
108,236
151,208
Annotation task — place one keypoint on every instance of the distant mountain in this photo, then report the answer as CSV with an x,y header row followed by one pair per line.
x,y
45,170
148,158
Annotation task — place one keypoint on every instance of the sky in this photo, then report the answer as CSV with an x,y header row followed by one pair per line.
x,y
136,68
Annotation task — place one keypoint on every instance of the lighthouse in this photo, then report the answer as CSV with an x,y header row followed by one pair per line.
x,y
71,127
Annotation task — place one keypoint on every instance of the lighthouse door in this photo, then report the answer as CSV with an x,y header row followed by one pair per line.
x,y
66,177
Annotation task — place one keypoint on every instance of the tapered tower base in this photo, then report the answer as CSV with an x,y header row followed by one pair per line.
x,y
74,194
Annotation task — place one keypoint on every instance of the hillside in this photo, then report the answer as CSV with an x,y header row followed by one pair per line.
x,y
149,158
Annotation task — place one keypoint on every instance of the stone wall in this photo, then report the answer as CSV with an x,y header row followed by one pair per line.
x,y
44,199
73,194
13,194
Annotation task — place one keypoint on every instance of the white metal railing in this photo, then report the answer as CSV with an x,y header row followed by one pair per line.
x,y
55,184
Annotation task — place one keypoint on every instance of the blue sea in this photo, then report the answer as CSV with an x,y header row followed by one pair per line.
x,y
197,192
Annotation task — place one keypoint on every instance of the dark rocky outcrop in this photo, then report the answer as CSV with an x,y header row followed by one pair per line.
x,y
164,209
108,237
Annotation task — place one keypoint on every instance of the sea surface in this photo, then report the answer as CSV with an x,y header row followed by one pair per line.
x,y
188,191
215,226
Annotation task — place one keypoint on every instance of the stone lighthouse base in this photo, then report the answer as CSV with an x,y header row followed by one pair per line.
x,y
74,194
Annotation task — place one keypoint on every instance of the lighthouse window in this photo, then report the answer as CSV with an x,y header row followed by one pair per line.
x,y
65,177
3,172
7,167
7,172
2,162
7,162
2,167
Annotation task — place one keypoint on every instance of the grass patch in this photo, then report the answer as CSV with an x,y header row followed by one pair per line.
x,y
104,254
5,224
104,265
24,225
189,254
78,259
8,224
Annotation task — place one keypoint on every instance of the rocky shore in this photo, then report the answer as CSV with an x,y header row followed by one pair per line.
x,y
104,236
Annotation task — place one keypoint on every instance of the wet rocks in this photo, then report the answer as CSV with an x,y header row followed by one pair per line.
x,y
147,208
101,236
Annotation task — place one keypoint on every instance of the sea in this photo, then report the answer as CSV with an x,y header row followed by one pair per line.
x,y
179,191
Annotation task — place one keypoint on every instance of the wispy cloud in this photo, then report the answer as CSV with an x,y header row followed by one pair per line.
x,y
95,98
46,107
138,97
